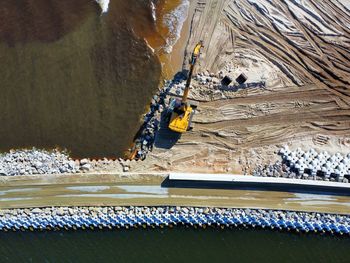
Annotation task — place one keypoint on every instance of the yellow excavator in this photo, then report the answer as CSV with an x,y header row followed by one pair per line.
x,y
182,111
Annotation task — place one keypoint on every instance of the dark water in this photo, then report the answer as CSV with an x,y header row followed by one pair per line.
x,y
172,245
72,78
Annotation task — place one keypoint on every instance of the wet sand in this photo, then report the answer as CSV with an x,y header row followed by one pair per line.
x,y
146,190
173,62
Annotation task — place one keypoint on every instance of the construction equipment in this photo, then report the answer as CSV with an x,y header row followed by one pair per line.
x,y
241,79
182,111
226,81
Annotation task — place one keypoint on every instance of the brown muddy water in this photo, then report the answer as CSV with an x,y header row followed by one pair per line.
x,y
73,78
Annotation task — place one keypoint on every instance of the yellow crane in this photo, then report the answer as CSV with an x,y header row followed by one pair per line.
x,y
183,111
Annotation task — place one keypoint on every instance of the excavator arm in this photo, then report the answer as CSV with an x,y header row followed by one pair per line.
x,y
182,122
195,55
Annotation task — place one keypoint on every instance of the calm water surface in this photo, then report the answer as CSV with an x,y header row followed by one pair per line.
x,y
73,78
172,245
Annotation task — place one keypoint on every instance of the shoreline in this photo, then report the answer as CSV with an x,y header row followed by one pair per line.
x,y
173,62
177,57
145,189
168,216
151,124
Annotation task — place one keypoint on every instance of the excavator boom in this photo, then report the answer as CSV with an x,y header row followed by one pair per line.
x,y
181,116
195,55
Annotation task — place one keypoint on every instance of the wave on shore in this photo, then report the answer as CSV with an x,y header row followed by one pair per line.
x,y
153,8
104,5
174,22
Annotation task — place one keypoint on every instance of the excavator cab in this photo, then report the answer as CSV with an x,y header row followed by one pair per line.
x,y
182,111
181,117
196,53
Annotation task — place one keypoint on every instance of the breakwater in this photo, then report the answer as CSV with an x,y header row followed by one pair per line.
x,y
145,138
35,162
55,218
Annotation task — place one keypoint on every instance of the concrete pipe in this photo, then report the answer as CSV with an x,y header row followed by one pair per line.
x,y
341,167
346,161
327,170
315,162
300,154
326,154
294,159
314,173
318,167
306,160
339,156
300,161
306,155
333,158
312,152
301,169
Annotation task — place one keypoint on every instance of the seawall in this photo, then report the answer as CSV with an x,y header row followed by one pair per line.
x,y
232,181
56,218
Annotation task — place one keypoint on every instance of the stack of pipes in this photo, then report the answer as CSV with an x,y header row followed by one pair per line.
x,y
312,162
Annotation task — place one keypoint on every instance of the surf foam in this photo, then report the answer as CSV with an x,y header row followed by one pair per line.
x,y
103,4
153,7
174,21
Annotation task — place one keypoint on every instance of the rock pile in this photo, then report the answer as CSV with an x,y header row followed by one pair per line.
x,y
273,170
147,133
205,86
126,217
34,161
